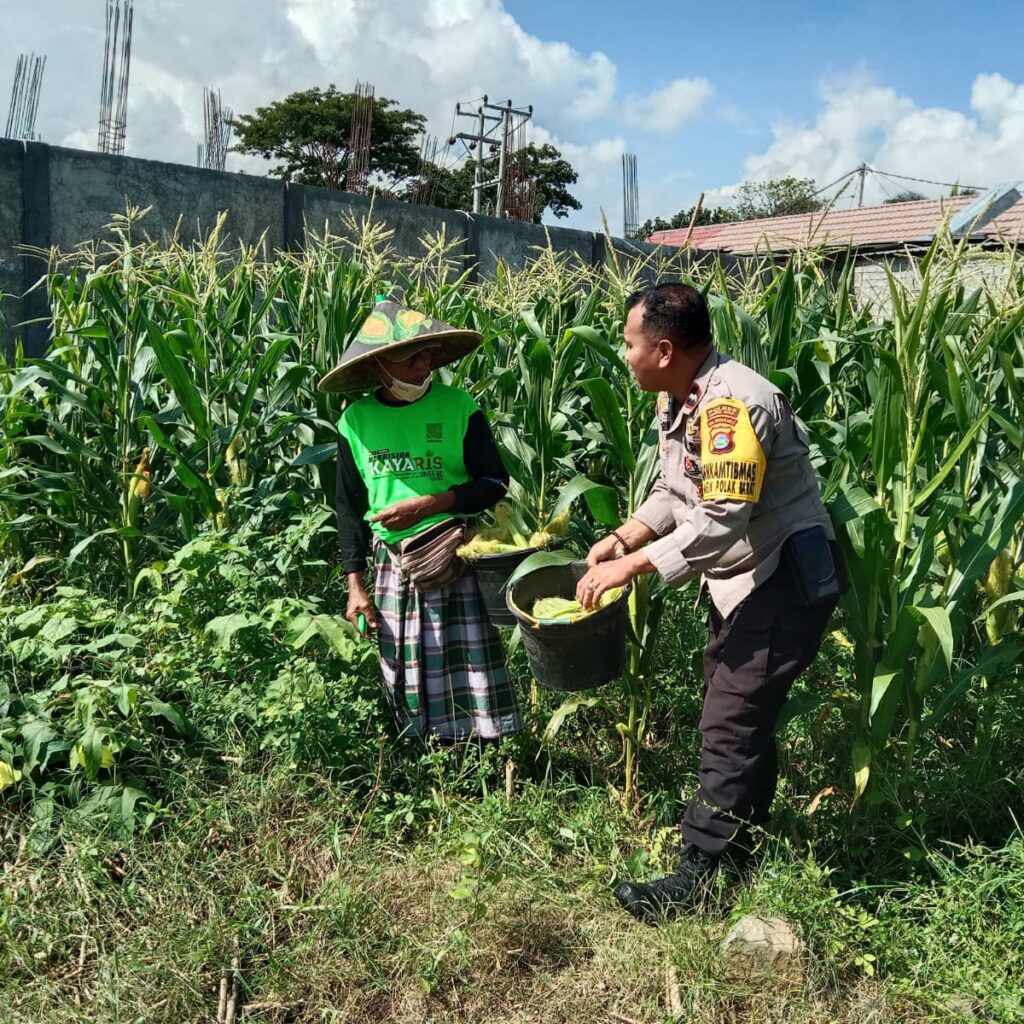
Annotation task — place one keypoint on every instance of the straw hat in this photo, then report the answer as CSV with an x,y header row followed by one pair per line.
x,y
393,331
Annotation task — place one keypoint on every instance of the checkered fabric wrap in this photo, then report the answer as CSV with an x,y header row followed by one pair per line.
x,y
443,661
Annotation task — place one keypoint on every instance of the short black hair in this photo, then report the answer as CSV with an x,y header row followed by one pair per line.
x,y
674,311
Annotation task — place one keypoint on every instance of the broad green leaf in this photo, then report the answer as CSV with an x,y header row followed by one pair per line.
x,y
574,488
169,712
224,627
880,685
58,628
604,506
567,708
540,560
148,575
852,502
36,733
939,622
315,454
1014,598
995,659
173,367
608,414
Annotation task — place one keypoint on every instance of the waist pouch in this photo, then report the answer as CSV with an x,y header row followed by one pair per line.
x,y
812,565
428,559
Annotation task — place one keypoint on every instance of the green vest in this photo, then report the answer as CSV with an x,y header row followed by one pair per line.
x,y
408,451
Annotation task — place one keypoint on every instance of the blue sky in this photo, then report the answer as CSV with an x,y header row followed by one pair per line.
x,y
768,63
707,95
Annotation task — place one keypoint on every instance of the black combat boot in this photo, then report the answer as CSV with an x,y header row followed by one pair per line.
x,y
686,889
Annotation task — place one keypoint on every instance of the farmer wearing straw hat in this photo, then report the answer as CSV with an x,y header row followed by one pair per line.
x,y
415,457
737,502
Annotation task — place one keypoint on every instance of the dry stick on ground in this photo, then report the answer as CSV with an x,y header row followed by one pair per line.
x,y
227,999
673,995
510,774
229,1015
222,997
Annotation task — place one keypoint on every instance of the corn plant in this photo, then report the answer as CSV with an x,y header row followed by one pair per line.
x,y
178,396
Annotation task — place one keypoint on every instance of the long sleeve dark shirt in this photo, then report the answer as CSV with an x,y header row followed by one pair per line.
x,y
487,484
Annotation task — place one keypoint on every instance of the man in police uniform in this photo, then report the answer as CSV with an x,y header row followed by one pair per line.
x,y
737,501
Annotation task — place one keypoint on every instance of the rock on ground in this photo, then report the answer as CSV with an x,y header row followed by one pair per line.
x,y
762,944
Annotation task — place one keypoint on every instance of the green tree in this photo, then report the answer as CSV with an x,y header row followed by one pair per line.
x,y
545,166
776,198
906,196
311,131
707,215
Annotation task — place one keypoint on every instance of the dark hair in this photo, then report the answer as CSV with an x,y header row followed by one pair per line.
x,y
674,311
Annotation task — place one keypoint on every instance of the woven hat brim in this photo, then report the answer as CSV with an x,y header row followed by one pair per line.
x,y
357,373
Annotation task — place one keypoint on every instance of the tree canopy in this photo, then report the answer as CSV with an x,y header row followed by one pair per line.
x,y
707,215
906,196
310,132
544,165
754,199
778,197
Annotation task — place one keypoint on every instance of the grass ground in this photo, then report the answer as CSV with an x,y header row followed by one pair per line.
x,y
458,904
406,885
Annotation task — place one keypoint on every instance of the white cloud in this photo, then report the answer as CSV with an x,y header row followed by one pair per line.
x,y
860,122
425,54
666,110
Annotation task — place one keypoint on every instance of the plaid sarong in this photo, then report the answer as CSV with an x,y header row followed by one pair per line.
x,y
443,661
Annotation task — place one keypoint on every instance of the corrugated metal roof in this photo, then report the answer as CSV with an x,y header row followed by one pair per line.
x,y
894,224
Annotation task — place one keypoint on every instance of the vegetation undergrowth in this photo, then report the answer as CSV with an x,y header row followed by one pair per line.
x,y
196,763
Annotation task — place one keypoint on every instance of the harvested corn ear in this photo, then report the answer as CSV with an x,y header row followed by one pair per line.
x,y
563,609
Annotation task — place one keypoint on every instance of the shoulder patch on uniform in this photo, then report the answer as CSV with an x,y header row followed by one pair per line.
x,y
732,457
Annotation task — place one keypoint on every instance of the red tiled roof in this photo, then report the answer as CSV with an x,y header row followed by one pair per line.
x,y
893,224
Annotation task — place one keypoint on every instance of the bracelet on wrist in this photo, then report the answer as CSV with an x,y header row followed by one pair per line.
x,y
622,540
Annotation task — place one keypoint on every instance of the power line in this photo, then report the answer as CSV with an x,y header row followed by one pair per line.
x,y
864,169
842,177
881,185
929,181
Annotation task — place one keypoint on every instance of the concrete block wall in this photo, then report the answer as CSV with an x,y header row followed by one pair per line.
x,y
978,269
12,215
64,197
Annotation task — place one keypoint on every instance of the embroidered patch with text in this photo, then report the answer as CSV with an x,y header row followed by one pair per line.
x,y
733,461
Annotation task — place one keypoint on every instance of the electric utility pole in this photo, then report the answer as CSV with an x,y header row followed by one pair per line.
x,y
863,172
496,131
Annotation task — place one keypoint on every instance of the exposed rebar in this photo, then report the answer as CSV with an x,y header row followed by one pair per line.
x,y
117,53
28,84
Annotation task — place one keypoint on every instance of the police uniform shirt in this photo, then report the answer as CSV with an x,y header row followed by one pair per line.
x,y
736,481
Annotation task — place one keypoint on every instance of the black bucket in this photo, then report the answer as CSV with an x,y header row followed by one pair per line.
x,y
569,655
492,573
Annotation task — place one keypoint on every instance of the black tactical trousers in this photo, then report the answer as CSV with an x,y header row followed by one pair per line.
x,y
752,659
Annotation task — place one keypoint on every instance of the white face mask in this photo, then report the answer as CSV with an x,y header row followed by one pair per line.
x,y
403,390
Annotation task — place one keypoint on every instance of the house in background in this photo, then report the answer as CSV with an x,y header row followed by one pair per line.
x,y
892,235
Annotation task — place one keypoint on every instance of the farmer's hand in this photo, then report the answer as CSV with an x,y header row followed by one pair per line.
x,y
604,550
408,512
359,603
